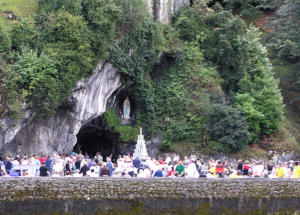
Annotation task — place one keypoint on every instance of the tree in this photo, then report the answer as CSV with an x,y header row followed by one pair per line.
x,y
5,40
33,80
228,126
221,46
71,6
258,94
285,39
23,34
101,17
246,8
65,38
189,23
133,13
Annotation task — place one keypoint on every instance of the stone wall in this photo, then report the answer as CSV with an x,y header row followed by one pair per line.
x,y
148,196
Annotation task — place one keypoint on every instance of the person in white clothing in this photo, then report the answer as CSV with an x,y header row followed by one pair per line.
x,y
287,171
258,170
191,171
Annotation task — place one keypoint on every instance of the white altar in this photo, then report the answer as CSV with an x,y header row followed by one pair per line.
x,y
140,148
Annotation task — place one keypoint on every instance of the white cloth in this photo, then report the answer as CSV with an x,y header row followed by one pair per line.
x,y
191,171
15,163
25,163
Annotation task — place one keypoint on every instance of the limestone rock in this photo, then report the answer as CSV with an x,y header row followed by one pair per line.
x,y
161,10
58,133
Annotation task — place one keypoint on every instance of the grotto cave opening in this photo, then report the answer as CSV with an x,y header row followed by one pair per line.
x,y
95,137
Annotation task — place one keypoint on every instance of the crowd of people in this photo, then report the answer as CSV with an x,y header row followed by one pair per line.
x,y
82,165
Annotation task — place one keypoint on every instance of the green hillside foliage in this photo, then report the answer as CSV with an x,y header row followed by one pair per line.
x,y
247,9
285,40
205,79
21,8
5,39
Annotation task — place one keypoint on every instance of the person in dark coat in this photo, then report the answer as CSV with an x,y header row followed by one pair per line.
x,y
84,169
8,165
104,171
137,163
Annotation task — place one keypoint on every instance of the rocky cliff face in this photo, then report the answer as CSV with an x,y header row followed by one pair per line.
x,y
161,10
58,133
88,101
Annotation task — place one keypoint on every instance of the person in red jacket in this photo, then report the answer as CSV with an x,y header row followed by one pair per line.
x,y
220,169
246,168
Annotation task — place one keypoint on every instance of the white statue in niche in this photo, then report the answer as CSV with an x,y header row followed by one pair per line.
x,y
126,109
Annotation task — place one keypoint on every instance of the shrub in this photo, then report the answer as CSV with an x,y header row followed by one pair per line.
x,y
228,126
5,40
127,133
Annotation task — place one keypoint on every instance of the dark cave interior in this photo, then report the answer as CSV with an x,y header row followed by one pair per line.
x,y
92,139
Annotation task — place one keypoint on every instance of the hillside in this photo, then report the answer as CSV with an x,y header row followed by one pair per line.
x,y
19,9
203,82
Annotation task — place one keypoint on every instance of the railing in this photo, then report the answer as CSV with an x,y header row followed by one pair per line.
x,y
31,169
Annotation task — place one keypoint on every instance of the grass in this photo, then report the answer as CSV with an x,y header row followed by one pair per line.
x,y
20,8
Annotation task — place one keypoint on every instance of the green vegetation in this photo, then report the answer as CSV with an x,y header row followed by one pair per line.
x,y
228,127
127,133
5,40
285,40
20,8
205,79
34,79
64,39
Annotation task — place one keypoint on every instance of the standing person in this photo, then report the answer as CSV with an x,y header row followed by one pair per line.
x,y
44,171
104,171
240,166
270,167
86,156
279,171
8,165
80,155
78,162
49,164
158,173
16,162
176,158
98,157
246,168
172,172
68,167
1,163
258,170
180,169
110,165
168,159
84,169
220,169
25,161
287,170
43,158
191,170
137,163
296,171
